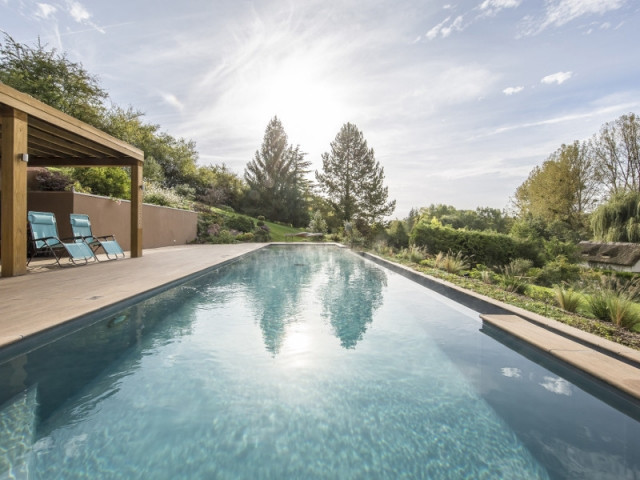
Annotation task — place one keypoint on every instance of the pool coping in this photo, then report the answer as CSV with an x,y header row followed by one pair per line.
x,y
610,362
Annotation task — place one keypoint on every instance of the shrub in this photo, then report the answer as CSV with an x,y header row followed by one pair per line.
x,y
317,223
485,247
239,223
262,234
567,299
557,271
53,180
612,300
165,197
224,236
511,280
413,254
621,311
520,266
451,263
245,237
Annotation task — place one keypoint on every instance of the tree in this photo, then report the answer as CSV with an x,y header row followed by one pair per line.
x,y
618,220
617,153
352,179
53,79
276,178
563,189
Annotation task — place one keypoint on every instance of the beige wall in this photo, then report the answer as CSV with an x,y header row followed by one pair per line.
x,y
161,226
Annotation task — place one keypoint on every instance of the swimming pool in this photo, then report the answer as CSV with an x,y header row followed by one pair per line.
x,y
304,362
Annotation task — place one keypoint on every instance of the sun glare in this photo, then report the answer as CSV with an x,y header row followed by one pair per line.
x,y
310,107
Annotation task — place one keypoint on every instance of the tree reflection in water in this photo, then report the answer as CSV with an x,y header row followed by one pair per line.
x,y
352,292
284,284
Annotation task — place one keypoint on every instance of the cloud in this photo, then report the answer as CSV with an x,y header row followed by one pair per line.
x,y
492,7
81,15
172,100
45,10
445,28
561,12
559,78
512,90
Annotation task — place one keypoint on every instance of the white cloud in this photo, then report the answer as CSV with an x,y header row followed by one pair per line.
x,y
511,372
561,12
44,10
435,31
558,78
512,90
172,100
491,7
78,12
81,15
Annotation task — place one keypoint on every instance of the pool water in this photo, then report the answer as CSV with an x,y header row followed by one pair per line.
x,y
304,362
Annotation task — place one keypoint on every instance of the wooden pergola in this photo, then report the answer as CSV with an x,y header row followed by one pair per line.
x,y
37,135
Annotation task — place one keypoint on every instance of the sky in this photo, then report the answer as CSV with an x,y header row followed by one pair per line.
x,y
459,100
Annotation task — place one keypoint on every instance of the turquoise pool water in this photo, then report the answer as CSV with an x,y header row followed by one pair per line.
x,y
304,363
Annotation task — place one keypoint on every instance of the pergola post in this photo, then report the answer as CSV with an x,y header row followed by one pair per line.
x,y
136,210
13,232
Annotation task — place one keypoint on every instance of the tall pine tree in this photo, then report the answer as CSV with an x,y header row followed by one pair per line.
x,y
277,179
353,180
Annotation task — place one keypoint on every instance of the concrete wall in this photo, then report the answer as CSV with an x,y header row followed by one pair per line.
x,y
161,226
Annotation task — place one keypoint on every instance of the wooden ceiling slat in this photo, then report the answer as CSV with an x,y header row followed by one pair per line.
x,y
91,148
55,143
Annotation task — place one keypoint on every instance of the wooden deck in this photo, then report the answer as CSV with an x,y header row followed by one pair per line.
x,y
48,296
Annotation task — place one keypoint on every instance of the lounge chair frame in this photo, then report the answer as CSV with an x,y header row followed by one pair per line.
x,y
81,227
44,238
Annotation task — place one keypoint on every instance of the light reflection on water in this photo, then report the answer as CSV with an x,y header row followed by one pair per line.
x,y
301,363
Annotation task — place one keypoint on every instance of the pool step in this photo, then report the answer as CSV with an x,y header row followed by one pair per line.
x,y
610,370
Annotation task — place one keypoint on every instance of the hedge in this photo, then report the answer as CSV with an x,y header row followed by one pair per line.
x,y
488,248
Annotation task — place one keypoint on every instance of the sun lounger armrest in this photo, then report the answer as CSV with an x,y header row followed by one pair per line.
x,y
106,237
46,240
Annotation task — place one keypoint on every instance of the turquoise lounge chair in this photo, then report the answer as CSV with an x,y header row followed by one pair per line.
x,y
45,239
81,227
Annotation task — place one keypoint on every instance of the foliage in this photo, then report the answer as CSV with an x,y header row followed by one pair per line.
x,y
482,218
317,223
563,189
568,299
558,271
616,150
245,237
110,182
618,220
53,180
397,235
276,178
165,197
53,79
612,299
484,247
239,223
452,263
513,279
262,234
413,254
224,187
352,179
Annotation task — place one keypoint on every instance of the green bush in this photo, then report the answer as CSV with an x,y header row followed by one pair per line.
x,y
567,299
262,234
557,271
484,247
397,235
245,237
239,223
